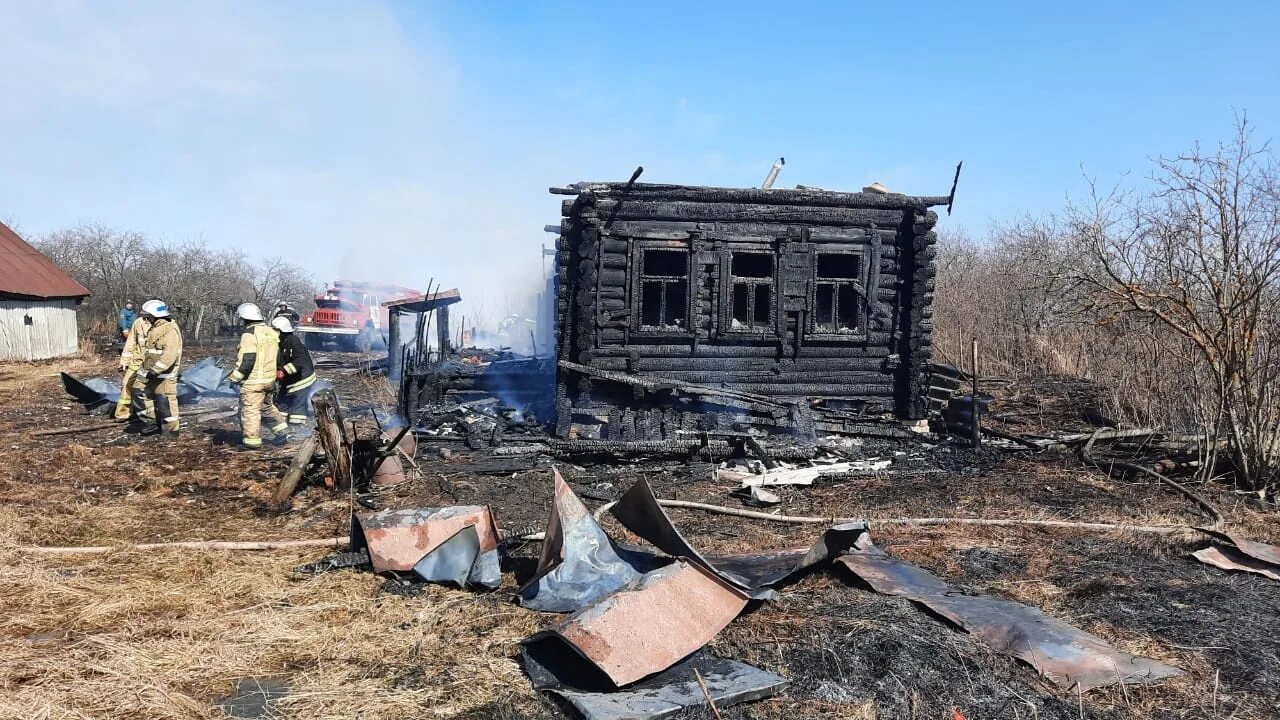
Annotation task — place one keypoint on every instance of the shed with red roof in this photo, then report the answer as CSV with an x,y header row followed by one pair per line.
x,y
38,302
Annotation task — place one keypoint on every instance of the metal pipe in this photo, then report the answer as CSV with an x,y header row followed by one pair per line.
x,y
773,173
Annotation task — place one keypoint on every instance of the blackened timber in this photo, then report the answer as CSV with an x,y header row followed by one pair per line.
x,y
657,383
610,302
714,448
739,231
759,196
761,339
732,367
826,376
831,390
763,350
840,217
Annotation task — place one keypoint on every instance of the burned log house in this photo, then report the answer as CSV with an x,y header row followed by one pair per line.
x,y
686,309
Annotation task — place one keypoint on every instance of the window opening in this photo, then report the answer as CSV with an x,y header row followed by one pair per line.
x,y
664,290
752,299
838,293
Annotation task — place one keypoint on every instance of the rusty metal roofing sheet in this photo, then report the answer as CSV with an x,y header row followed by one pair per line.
x,y
651,624
1229,558
580,563
26,272
1269,554
459,560
638,510
1064,654
664,695
401,540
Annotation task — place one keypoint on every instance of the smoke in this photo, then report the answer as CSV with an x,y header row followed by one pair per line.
x,y
332,139
341,140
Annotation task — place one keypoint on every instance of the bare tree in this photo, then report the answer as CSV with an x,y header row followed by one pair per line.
x,y
1196,261
103,260
275,280
202,285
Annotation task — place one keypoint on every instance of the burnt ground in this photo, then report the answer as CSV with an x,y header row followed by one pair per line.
x,y
347,646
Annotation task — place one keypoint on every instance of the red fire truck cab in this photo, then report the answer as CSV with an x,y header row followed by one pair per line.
x,y
349,316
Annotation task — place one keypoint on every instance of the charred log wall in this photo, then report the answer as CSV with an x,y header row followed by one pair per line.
x,y
798,296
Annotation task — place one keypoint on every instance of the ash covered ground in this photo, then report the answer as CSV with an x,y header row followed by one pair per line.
x,y
168,634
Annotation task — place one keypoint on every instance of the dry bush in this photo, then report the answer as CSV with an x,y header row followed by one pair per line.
x,y
1167,296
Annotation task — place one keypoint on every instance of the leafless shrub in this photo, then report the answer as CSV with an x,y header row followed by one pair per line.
x,y
1197,260
1167,295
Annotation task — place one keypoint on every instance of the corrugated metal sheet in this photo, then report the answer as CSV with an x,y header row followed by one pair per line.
x,y
26,272
650,624
38,329
1066,655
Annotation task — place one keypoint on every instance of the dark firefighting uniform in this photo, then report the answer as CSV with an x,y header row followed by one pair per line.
x,y
298,376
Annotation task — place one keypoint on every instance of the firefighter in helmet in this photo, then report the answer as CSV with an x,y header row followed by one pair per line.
x,y
255,372
284,310
130,361
297,372
155,384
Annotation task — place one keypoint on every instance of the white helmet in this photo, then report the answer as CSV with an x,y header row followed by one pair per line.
x,y
282,324
155,308
249,311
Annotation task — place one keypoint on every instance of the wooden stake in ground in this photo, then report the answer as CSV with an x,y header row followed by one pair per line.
x,y
333,437
977,424
703,684
291,478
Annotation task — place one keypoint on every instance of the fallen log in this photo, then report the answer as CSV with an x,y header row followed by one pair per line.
x,y
1210,510
190,545
914,522
293,476
75,431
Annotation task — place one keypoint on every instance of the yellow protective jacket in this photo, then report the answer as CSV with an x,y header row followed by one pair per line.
x,y
132,355
256,359
162,349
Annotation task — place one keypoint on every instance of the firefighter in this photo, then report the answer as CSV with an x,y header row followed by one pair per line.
x,y
155,384
130,360
283,310
255,372
296,374
127,316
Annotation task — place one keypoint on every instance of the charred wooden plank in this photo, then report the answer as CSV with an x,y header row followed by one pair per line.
x,y
774,196
731,212
762,350
333,437
830,390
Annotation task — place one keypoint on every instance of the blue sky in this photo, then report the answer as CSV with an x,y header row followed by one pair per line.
x,y
416,140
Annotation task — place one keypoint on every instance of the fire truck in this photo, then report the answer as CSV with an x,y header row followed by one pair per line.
x,y
349,316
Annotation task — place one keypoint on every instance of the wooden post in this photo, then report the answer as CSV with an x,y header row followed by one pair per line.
x,y
977,412
291,478
395,356
333,437
442,331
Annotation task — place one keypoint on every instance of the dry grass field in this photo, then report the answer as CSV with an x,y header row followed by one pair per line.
x,y
167,634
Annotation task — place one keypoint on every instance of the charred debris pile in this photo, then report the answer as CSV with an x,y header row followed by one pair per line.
x,y
704,322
